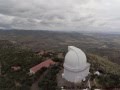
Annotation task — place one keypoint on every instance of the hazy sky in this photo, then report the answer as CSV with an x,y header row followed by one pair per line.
x,y
92,15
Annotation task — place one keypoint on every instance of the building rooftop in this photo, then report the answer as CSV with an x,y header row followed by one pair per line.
x,y
46,64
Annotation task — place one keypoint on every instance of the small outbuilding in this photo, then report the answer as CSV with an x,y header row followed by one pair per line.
x,y
15,68
97,73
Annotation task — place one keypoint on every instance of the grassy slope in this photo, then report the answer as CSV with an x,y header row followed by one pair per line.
x,y
107,66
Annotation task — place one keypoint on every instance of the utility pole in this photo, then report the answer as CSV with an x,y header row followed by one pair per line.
x,y
0,68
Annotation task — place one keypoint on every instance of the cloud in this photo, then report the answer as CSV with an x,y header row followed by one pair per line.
x,y
60,14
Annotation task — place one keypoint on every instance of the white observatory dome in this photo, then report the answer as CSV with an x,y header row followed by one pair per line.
x,y
75,58
76,67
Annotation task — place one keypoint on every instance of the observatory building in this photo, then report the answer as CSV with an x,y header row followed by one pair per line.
x,y
75,65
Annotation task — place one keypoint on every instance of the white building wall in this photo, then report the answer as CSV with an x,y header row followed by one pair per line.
x,y
32,72
75,76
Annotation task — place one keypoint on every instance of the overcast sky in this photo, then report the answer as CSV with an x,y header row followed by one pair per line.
x,y
78,15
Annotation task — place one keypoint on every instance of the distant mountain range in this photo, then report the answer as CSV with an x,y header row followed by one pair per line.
x,y
105,45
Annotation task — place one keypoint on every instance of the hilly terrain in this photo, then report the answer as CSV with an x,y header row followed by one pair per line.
x,y
106,45
14,55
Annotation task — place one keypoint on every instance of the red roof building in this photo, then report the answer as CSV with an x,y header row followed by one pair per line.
x,y
38,67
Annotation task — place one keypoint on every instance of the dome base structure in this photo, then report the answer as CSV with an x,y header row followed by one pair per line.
x,y
76,77
76,67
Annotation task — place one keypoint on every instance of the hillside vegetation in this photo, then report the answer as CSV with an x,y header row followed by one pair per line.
x,y
13,55
101,63
110,72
